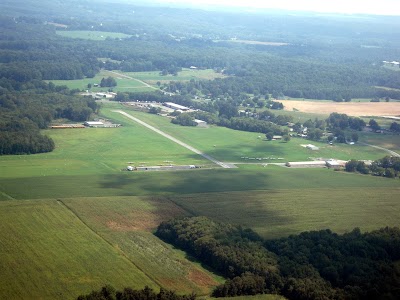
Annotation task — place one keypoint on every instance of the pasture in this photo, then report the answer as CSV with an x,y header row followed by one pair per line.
x,y
349,108
91,35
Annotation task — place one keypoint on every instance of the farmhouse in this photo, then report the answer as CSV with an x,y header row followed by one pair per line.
x,y
176,106
200,123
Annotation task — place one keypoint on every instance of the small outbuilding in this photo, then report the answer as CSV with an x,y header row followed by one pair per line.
x,y
312,147
94,124
200,123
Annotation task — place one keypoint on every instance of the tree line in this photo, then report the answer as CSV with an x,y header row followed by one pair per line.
x,y
388,166
108,292
311,265
23,113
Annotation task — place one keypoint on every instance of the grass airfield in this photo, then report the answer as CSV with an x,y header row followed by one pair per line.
x,y
73,220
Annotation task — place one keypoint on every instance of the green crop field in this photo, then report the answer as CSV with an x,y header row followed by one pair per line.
x,y
92,35
127,223
123,84
48,253
184,75
112,213
280,212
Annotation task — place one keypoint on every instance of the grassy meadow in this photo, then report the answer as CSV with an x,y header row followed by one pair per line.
x,y
48,253
184,75
134,85
92,35
128,222
123,84
73,221
231,145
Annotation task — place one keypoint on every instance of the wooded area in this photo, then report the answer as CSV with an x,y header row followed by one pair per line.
x,y
312,265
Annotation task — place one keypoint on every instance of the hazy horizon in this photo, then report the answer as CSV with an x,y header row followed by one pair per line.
x,y
383,7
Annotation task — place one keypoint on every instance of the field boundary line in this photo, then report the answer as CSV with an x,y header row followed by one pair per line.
x,y
60,201
7,195
206,156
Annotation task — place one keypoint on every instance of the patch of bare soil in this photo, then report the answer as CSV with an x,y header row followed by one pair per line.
x,y
349,108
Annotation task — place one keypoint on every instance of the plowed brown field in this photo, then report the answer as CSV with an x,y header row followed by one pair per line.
x,y
349,108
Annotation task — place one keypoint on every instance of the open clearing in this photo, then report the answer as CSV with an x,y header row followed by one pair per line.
x,y
100,229
92,35
184,75
48,253
229,145
123,84
350,108
128,222
281,212
248,42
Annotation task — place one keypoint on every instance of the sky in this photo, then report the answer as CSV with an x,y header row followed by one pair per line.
x,y
378,7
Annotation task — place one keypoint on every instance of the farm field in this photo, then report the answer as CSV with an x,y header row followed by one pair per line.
x,y
128,222
48,253
231,145
123,84
98,151
350,108
280,212
101,206
184,75
92,35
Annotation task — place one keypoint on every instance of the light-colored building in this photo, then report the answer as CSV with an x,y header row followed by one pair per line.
x,y
176,106
312,147
94,124
200,123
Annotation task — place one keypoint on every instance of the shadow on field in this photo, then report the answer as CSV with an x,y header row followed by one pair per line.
x,y
185,182
259,150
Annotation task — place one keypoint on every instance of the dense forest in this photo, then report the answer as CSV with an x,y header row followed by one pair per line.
x,y
312,265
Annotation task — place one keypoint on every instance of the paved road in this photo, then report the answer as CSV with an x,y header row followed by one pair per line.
x,y
381,148
206,156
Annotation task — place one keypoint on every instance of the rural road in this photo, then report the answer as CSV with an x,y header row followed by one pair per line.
x,y
224,165
381,148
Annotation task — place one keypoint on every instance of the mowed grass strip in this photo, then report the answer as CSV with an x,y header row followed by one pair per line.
x,y
184,75
91,35
278,213
99,151
123,84
48,253
230,145
128,222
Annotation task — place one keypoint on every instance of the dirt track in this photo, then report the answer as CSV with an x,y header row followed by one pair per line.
x,y
349,108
